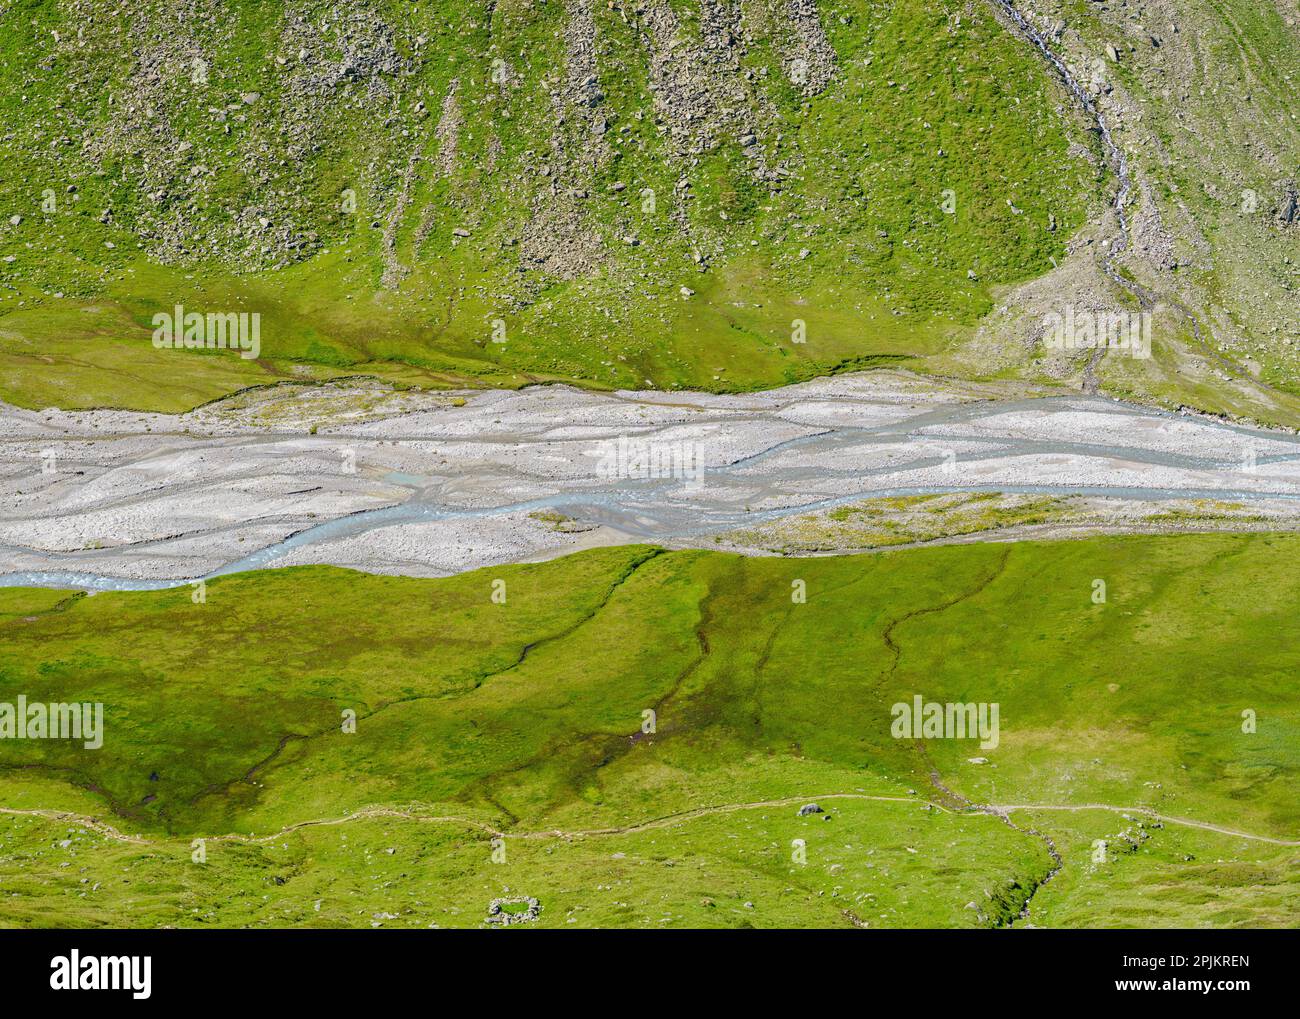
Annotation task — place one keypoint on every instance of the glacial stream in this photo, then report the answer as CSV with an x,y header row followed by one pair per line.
x,y
789,476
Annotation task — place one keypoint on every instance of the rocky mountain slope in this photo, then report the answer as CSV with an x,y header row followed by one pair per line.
x,y
1199,95
711,194
717,194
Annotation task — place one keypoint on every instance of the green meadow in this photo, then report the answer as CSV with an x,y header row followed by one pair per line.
x,y
629,736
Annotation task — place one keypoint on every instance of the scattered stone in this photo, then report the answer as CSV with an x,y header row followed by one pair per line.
x,y
498,915
1290,207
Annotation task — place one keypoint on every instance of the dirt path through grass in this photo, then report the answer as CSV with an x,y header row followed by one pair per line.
x,y
666,821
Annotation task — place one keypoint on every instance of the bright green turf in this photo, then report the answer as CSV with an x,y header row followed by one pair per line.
x,y
1162,877
524,717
